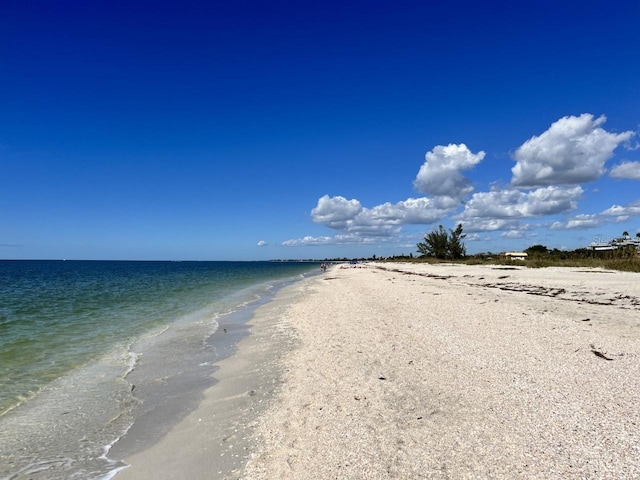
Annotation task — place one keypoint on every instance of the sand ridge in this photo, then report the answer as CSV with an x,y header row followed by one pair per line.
x,y
449,371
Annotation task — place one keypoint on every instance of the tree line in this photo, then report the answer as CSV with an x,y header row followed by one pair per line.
x,y
449,245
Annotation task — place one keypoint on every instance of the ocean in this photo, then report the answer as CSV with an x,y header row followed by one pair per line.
x,y
92,351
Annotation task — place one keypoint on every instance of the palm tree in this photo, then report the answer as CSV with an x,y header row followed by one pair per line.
x,y
625,234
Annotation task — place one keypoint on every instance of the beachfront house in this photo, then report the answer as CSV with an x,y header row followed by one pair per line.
x,y
615,244
602,246
514,255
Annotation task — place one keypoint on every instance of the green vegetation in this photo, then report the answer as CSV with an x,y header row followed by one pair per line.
x,y
626,258
443,245
556,258
440,245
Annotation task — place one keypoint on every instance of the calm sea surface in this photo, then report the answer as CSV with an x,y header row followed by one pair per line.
x,y
87,348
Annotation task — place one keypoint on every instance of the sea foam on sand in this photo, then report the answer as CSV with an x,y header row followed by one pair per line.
x,y
424,371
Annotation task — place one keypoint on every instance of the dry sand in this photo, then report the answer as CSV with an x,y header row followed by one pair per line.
x,y
424,371
419,371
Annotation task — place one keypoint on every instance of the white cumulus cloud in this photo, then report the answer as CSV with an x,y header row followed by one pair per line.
x,y
491,224
514,234
632,209
613,214
585,221
573,150
626,170
262,243
341,239
335,212
350,217
415,211
547,174
440,174
511,203
308,240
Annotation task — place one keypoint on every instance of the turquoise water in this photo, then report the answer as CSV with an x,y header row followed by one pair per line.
x,y
84,344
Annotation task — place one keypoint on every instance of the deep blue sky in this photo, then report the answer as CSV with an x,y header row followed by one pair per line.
x,y
256,130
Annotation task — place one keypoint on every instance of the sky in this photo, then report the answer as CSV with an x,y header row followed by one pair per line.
x,y
256,130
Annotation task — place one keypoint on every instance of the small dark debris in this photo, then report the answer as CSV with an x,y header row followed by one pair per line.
x,y
586,320
382,378
598,353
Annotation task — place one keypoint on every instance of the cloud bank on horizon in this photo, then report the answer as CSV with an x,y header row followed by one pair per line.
x,y
548,179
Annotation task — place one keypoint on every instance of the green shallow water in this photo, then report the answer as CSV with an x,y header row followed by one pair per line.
x,y
67,330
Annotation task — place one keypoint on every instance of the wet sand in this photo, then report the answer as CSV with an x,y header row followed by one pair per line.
x,y
424,371
215,440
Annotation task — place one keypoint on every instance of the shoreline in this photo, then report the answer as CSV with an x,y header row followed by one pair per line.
x,y
213,439
423,371
116,367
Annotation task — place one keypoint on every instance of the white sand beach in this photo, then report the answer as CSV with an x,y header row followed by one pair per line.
x,y
409,371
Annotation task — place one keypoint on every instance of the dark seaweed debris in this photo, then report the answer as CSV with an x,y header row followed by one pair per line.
x,y
598,353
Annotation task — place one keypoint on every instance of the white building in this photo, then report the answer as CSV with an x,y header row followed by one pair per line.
x,y
615,244
515,255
